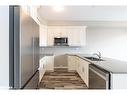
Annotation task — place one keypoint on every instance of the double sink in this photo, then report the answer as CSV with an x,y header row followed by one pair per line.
x,y
94,59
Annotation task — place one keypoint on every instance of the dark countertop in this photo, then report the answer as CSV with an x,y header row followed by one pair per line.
x,y
109,64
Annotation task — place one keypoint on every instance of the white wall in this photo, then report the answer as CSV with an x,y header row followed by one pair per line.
x,y
110,41
4,46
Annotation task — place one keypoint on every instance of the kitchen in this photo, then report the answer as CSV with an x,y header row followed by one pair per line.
x,y
78,47
100,35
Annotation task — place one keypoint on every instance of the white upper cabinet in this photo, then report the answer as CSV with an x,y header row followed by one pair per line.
x,y
50,36
76,34
32,11
56,32
43,35
34,14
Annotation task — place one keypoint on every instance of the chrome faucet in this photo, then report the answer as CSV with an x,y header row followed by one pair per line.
x,y
98,54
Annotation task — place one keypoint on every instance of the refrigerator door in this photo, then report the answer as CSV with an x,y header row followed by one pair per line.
x,y
24,33
23,47
35,46
35,54
26,48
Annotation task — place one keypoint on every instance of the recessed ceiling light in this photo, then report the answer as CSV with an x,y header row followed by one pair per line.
x,y
58,8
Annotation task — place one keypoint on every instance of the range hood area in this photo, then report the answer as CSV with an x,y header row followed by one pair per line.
x,y
61,41
62,36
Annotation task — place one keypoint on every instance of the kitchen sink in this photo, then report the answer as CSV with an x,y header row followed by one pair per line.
x,y
94,59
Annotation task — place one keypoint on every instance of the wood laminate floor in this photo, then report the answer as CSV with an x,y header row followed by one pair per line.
x,y
62,80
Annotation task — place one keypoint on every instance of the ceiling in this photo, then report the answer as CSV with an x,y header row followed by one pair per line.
x,y
85,13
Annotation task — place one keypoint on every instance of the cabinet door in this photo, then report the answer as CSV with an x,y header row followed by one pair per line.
x,y
56,31
86,72
50,36
83,36
50,63
64,31
80,65
83,70
43,35
71,63
77,63
42,68
76,35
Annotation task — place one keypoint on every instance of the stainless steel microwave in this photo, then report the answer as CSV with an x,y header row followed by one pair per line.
x,y
62,41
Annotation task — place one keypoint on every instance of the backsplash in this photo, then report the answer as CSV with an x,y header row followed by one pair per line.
x,y
61,50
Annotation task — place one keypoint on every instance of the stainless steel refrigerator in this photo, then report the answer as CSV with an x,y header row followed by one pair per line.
x,y
23,49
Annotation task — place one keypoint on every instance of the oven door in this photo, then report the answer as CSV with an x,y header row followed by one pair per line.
x,y
98,78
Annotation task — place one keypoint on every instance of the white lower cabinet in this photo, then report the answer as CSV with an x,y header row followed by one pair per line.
x,y
71,63
46,64
81,66
42,68
50,63
83,70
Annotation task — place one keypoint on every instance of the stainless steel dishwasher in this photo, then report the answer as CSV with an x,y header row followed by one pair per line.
x,y
98,78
